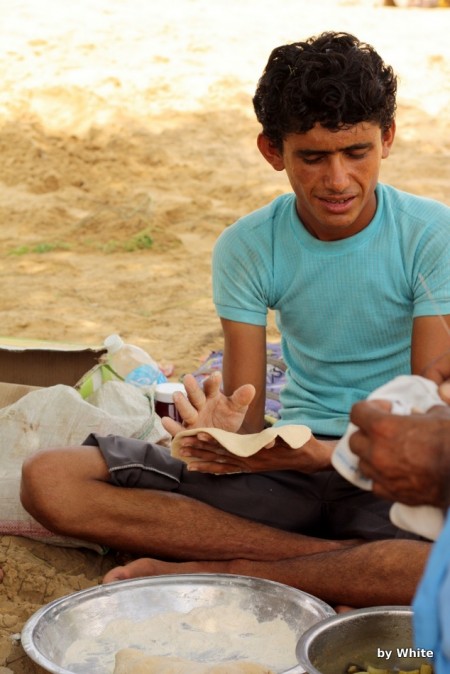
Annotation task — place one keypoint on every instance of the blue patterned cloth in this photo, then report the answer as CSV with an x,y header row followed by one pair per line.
x,y
275,376
432,604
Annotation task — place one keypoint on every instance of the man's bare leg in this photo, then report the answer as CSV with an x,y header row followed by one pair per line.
x,y
377,573
69,492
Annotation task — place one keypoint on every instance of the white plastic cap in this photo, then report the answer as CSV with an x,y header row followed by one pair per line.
x,y
164,392
113,343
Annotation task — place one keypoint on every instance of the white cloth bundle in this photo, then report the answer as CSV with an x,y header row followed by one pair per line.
x,y
408,394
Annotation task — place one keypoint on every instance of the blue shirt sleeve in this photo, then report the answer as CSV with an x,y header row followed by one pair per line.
x,y
432,603
242,271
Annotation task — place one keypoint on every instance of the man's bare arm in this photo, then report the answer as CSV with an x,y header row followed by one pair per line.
x,y
244,362
429,343
439,371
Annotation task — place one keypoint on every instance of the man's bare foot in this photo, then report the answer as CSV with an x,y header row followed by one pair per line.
x,y
147,566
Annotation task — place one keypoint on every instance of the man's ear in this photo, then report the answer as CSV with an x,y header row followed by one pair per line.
x,y
387,140
270,152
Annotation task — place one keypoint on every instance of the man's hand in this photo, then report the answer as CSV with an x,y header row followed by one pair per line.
x,y
209,407
207,456
407,457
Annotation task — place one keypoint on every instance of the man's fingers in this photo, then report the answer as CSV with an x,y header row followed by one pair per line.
x,y
211,385
383,493
204,443
363,414
242,397
207,439
444,392
194,391
215,467
367,469
439,411
358,443
202,440
171,426
186,409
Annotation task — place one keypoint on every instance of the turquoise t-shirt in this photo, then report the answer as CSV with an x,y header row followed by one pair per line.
x,y
344,308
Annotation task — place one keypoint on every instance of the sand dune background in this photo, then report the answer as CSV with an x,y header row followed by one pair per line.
x,y
127,144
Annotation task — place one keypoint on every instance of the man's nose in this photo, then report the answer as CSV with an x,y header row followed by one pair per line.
x,y
337,175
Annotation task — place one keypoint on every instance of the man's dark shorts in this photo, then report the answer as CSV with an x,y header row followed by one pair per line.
x,y
323,505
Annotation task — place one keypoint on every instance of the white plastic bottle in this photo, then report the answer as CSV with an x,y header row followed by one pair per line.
x,y
132,363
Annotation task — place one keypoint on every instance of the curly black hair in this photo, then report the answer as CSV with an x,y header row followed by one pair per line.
x,y
333,80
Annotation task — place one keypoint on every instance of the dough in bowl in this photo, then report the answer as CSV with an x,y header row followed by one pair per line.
x,y
134,661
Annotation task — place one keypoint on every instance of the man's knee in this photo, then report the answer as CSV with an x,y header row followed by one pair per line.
x,y
35,494
42,479
50,477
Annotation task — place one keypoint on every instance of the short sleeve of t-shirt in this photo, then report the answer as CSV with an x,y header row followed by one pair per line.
x,y
243,263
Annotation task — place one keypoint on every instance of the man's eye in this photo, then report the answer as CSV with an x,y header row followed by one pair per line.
x,y
312,160
357,155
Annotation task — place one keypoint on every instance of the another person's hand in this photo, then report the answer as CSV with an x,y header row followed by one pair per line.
x,y
207,456
439,372
209,407
407,457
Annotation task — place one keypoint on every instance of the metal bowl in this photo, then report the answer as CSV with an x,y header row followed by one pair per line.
x,y
50,632
358,637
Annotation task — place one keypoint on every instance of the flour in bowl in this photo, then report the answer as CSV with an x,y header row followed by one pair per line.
x,y
209,635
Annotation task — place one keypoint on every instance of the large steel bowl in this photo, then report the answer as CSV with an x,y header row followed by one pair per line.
x,y
84,615
356,637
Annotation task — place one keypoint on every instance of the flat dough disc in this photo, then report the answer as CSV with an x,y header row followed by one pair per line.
x,y
134,661
247,445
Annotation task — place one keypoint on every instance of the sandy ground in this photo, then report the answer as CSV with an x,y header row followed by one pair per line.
x,y
127,144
